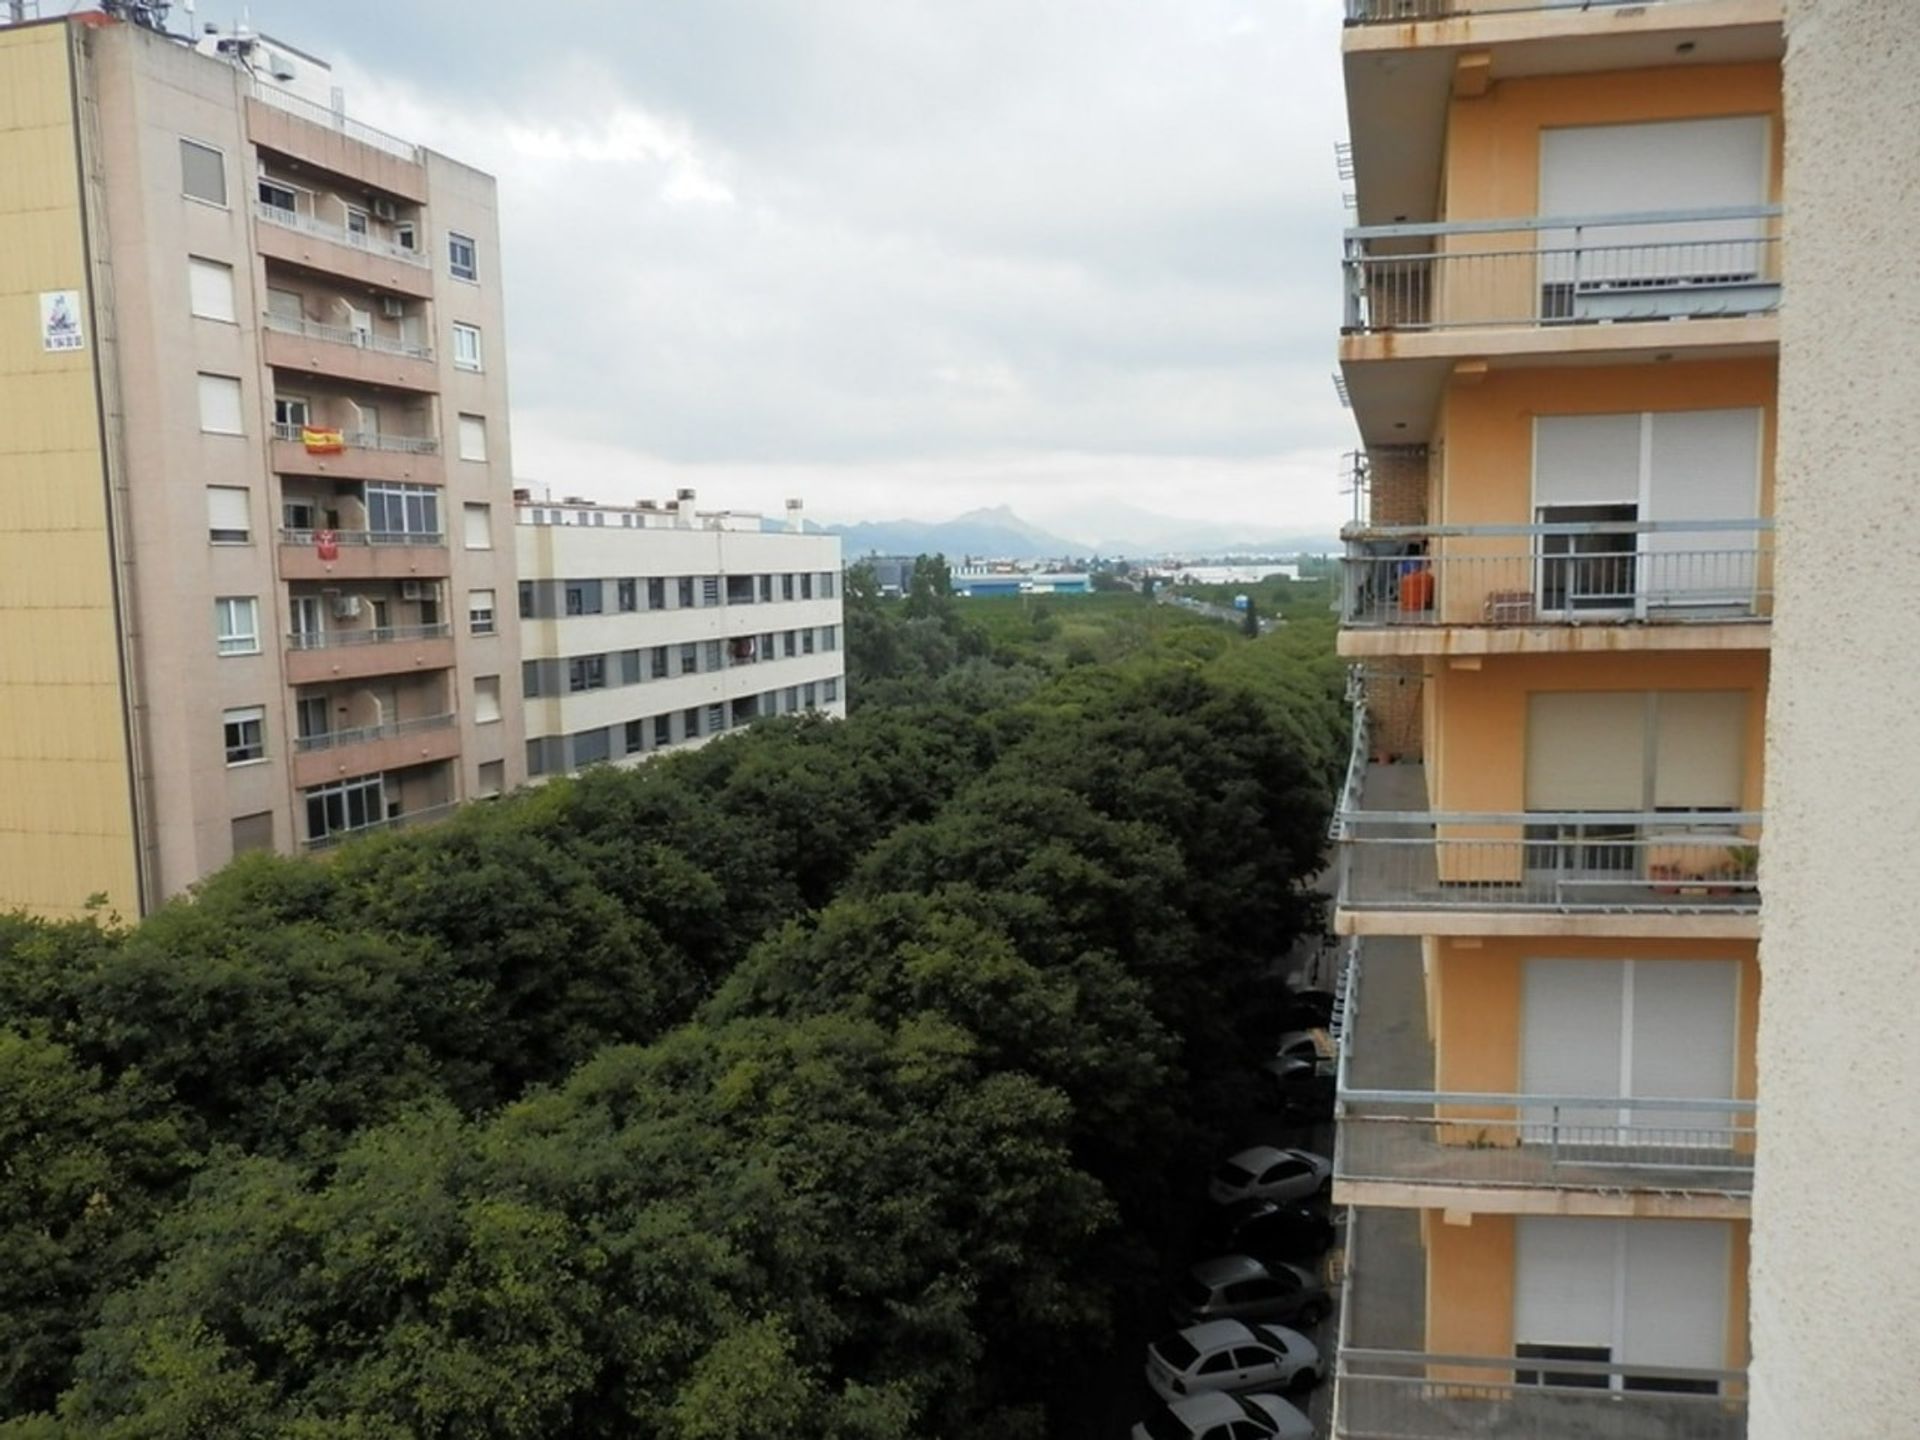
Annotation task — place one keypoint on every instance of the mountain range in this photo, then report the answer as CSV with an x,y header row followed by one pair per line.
x,y
1000,534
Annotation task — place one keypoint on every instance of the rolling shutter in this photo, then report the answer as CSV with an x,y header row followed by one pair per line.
x,y
1700,749
1586,750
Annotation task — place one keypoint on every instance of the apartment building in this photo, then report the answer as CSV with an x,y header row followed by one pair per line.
x,y
1561,350
658,627
253,437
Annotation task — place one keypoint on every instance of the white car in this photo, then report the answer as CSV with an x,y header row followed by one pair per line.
x,y
1232,1356
1217,1416
1267,1172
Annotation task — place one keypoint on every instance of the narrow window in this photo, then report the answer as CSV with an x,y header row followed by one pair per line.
x,y
246,734
203,173
463,257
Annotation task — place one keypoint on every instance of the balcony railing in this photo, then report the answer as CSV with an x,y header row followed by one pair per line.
x,y
373,635
1658,265
360,735
1406,1395
1678,861
424,539
344,335
338,234
1387,12
395,822
365,439
1598,572
318,114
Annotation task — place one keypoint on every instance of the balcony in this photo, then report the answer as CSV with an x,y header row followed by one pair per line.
x,y
363,455
359,356
1401,12
423,816
301,239
365,555
330,140
370,748
316,659
1668,577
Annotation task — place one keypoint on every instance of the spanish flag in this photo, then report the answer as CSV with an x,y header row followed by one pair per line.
x,y
321,442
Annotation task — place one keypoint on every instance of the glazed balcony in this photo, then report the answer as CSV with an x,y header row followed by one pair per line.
x,y
365,555
369,749
1561,274
308,347
297,238
319,658
363,455
426,815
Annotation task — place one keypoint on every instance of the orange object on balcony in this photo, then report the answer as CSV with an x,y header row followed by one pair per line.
x,y
1416,589
322,442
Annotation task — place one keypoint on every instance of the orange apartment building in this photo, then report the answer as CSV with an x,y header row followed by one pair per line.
x,y
256,507
1561,349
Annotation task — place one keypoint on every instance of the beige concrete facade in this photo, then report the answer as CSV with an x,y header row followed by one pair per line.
x,y
212,308
1836,1288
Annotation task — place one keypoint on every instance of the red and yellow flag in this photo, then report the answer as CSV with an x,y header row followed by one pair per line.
x,y
321,442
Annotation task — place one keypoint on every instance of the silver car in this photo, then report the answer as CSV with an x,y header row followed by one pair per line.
x,y
1238,1287
1267,1172
1217,1416
1232,1356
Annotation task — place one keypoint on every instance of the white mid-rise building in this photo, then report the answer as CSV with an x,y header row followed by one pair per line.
x,y
657,627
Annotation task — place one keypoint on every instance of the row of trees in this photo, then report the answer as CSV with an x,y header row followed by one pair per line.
x,y
825,1082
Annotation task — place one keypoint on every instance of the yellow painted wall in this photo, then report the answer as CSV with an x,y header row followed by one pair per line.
x,y
66,817
1493,141
1470,1275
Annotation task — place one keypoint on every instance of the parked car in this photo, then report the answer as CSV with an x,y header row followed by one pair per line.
x,y
1270,1173
1213,1415
1272,1230
1239,1287
1300,1090
1230,1355
1299,1045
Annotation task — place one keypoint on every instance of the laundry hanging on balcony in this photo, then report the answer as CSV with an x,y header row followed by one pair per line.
x,y
321,442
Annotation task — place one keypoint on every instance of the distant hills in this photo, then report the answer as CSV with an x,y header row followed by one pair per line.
x,y
998,533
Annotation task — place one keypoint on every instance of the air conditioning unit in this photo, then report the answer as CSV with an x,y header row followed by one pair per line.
x,y
415,590
346,607
393,307
383,207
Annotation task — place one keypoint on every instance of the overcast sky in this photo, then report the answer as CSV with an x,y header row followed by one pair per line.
x,y
899,257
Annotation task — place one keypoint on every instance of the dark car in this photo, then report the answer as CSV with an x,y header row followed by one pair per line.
x,y
1239,1287
1299,1090
1274,1230
1308,1010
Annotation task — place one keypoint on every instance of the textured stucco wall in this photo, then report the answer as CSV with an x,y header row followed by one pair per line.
x,y
1836,1279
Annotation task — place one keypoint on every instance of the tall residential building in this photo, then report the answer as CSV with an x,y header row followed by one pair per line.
x,y
658,627
1561,348
253,438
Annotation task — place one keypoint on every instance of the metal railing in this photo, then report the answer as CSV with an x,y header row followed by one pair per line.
x,y
339,234
319,114
1593,572
372,635
1405,1395
1574,1142
360,735
1387,12
393,822
1677,861
1567,270
365,439
345,335
351,539
1358,751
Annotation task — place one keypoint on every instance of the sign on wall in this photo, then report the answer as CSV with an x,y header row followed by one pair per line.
x,y
60,320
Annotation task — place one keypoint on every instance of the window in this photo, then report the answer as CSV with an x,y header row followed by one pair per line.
x,y
635,737
826,584
529,679
228,521
690,723
587,672
658,665
786,587
203,173
806,642
236,624
766,588
830,690
493,779
253,832
312,717
409,510
282,198
809,696
716,719
209,289
685,598
526,600
466,347
806,586
656,594
220,405
710,590
629,667
345,806
480,611
790,699
583,597
463,257
711,657
477,526
404,235
473,437
662,731
300,515
486,699
291,410
590,747
304,622
789,644
689,659
356,221
246,734
830,637
627,594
